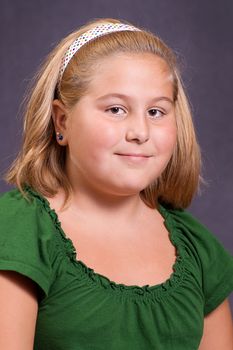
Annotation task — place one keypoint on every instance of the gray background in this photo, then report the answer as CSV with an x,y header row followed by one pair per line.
x,y
201,34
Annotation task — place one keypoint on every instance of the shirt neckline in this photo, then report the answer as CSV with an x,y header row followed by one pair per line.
x,y
158,291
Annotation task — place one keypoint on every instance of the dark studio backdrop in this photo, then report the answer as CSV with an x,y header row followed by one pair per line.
x,y
201,32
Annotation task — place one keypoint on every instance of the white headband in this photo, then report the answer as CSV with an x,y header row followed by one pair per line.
x,y
93,33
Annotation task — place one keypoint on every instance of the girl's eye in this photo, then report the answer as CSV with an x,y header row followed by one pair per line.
x,y
156,113
115,110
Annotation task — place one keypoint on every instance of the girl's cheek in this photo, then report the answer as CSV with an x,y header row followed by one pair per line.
x,y
165,138
107,137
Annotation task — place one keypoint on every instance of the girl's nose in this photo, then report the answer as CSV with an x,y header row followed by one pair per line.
x,y
137,130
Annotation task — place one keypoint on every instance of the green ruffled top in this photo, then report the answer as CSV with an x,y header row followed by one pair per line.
x,y
80,308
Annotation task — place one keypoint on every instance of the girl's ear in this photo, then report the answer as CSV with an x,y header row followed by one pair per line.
x,y
59,115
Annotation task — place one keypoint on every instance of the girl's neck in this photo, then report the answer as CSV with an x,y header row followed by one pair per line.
x,y
94,204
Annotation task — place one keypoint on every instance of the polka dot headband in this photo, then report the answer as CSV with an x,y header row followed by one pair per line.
x,y
93,33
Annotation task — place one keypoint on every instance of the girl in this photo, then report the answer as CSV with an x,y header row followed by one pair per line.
x,y
97,250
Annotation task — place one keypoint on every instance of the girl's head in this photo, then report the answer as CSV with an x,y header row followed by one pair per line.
x,y
42,162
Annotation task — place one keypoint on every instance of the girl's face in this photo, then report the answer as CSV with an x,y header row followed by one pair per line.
x,y
121,135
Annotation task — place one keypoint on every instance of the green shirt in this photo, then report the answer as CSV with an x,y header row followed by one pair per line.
x,y
80,309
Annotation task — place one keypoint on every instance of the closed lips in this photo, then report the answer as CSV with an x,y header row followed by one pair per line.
x,y
133,155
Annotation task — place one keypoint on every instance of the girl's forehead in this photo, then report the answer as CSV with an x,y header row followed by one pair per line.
x,y
130,67
133,75
124,63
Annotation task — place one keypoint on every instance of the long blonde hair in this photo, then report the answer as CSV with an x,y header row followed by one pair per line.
x,y
40,163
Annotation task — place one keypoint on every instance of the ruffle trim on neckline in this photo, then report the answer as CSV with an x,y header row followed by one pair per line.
x,y
158,291
69,248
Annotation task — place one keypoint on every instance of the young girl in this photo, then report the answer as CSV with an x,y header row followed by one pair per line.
x,y
97,249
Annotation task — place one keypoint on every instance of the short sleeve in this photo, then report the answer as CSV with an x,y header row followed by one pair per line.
x,y
214,260
25,239
217,275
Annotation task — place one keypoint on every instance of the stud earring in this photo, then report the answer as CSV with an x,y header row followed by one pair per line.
x,y
59,136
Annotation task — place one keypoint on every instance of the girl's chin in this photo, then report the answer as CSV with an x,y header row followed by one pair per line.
x,y
129,190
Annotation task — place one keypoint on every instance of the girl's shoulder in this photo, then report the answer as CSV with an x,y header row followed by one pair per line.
x,y
205,255
189,227
15,200
27,237
197,237
11,196
18,210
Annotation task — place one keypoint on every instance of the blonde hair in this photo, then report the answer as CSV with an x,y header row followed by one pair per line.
x,y
40,163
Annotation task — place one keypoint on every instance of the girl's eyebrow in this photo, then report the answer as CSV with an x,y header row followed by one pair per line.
x,y
122,96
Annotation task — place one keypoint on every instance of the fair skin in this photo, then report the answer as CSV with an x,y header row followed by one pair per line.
x,y
18,305
127,146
